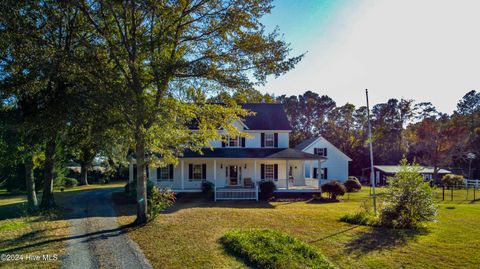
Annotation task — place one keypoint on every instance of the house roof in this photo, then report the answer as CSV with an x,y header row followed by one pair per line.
x,y
267,117
393,169
305,143
260,153
309,141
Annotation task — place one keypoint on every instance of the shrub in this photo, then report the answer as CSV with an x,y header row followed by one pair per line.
x,y
207,187
363,217
408,199
352,184
452,180
267,188
69,182
131,188
159,200
272,249
334,189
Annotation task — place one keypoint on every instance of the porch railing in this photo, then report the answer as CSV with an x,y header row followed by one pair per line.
x,y
239,193
307,183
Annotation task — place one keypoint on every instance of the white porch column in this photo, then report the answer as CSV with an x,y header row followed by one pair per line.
x,y
215,172
215,180
255,171
319,169
182,174
311,169
286,173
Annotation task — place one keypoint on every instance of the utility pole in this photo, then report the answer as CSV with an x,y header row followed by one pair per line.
x,y
372,171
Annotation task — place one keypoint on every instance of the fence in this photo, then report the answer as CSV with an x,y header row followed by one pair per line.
x,y
467,192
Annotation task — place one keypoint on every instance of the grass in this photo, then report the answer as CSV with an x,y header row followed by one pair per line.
x,y
24,234
188,235
272,249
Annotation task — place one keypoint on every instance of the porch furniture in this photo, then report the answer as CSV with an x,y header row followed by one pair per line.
x,y
248,183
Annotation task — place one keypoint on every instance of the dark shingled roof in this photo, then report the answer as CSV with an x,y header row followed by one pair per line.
x,y
305,143
261,153
267,117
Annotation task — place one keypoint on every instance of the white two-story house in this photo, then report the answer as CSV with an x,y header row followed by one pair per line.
x,y
237,165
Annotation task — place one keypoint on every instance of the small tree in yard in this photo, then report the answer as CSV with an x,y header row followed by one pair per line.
x,y
409,199
159,200
353,184
334,189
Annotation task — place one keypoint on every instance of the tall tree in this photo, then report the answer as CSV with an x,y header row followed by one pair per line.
x,y
169,54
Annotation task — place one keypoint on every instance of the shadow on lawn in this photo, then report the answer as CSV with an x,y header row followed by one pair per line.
x,y
199,200
382,239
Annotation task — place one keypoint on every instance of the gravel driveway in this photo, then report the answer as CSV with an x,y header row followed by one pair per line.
x,y
98,241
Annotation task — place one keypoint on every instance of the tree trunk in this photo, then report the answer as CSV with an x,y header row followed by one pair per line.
x,y
141,182
84,174
30,181
48,200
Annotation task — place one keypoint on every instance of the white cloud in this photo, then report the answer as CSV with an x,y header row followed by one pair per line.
x,y
424,50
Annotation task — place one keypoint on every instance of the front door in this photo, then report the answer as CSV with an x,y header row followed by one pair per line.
x,y
233,178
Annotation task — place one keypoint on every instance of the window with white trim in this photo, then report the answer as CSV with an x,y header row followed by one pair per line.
x,y
269,140
269,171
163,174
197,172
233,142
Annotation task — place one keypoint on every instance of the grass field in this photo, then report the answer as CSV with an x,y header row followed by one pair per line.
x,y
188,235
35,235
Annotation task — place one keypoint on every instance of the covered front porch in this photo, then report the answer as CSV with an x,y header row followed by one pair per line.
x,y
236,175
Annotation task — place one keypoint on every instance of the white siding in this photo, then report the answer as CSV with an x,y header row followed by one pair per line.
x,y
254,141
336,163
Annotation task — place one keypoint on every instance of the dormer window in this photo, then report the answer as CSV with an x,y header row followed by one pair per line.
x,y
269,140
233,142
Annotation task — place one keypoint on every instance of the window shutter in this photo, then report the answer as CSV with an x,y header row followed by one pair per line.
x,y
325,152
226,171
325,174
190,171
134,172
315,151
262,171
158,173
223,144
315,173
262,140
275,140
147,171
170,171
204,171
275,171
243,142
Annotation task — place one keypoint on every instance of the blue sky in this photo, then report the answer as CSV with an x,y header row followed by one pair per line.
x,y
426,50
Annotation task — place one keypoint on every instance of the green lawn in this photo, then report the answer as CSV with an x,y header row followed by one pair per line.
x,y
188,235
35,235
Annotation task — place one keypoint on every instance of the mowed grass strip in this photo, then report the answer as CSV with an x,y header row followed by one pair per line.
x,y
188,234
270,249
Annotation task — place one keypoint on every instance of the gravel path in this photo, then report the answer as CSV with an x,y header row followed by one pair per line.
x,y
98,242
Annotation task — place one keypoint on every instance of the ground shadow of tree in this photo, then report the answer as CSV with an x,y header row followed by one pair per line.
x,y
382,239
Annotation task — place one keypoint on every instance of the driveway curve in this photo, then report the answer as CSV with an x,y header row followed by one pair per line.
x,y
97,239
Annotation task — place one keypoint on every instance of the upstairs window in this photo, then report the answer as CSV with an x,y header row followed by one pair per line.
x,y
233,141
269,140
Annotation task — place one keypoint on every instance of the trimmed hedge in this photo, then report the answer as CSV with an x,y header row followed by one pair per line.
x,y
272,249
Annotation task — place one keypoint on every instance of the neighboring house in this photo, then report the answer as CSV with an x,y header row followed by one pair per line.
x,y
237,165
382,172
334,167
